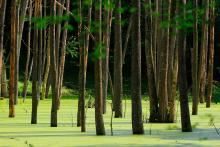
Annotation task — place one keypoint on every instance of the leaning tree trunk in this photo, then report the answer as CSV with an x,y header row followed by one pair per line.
x,y
2,21
12,58
36,65
137,123
100,128
211,54
150,66
53,67
117,101
195,96
184,105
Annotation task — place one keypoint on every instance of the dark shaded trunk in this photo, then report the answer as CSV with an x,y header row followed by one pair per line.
x,y
184,106
36,65
137,123
194,56
53,67
2,22
117,101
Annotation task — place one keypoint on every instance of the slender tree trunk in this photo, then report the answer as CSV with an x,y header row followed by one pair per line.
x,y
84,45
12,58
150,67
28,54
47,69
100,128
137,123
203,53
2,22
184,106
36,57
211,54
195,61
105,61
53,67
117,102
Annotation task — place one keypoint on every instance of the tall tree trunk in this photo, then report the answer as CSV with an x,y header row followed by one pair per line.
x,y
36,66
137,123
105,61
184,106
100,128
2,22
84,45
211,54
117,101
203,53
12,58
53,67
26,73
195,61
150,63
163,71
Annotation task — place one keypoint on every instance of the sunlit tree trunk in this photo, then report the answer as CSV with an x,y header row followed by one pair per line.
x,y
137,123
118,91
184,106
203,53
100,128
12,58
211,54
4,87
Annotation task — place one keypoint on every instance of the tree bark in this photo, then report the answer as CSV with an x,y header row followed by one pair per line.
x,y
195,96
12,58
203,53
150,66
118,91
2,22
137,123
36,65
53,67
184,106
100,128
211,54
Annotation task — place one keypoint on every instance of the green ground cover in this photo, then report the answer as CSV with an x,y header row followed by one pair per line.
x,y
19,132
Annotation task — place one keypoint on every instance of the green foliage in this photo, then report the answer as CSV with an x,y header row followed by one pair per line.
x,y
216,93
72,47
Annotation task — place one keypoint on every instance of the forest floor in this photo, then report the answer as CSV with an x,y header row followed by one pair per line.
x,y
19,132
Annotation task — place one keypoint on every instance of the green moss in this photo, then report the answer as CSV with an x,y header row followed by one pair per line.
x,y
18,132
